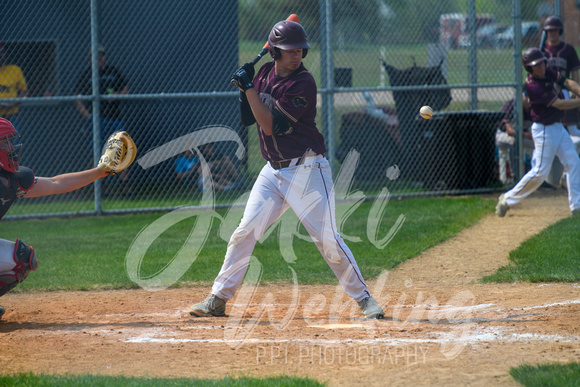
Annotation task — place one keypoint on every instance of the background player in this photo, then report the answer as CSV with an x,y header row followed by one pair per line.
x,y
505,137
562,57
17,259
283,103
550,137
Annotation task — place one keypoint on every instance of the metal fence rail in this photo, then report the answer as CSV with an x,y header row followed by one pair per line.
x,y
375,62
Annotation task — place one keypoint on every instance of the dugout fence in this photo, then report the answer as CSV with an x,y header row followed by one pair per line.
x,y
176,57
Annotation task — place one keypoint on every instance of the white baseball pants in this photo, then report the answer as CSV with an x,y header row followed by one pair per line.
x,y
309,190
550,141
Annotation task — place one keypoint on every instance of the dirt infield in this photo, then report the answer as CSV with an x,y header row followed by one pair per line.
x,y
441,326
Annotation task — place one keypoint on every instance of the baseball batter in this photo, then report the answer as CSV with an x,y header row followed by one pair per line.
x,y
17,259
543,86
281,98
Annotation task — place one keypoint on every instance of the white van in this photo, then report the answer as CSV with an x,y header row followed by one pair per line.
x,y
453,31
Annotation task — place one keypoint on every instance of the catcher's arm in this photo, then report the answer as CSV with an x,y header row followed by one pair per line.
x,y
67,182
119,153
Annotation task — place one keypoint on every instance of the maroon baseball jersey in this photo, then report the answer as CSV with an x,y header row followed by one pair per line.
x,y
563,58
542,93
295,97
509,110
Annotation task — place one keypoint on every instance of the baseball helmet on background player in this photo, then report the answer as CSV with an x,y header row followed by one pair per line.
x,y
531,57
553,23
10,146
287,35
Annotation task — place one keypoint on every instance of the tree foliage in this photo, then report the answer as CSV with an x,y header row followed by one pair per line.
x,y
371,21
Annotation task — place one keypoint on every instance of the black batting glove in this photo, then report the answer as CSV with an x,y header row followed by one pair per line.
x,y
243,80
249,68
244,76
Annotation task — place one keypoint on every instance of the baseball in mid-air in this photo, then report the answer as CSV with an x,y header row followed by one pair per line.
x,y
426,112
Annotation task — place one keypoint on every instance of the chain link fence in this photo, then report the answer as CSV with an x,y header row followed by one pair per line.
x,y
165,78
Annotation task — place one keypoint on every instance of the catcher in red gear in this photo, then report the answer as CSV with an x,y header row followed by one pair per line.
x,y
17,259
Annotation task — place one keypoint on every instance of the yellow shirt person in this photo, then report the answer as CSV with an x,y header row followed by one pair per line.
x,y
12,85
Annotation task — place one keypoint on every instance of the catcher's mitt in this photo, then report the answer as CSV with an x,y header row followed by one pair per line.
x,y
120,151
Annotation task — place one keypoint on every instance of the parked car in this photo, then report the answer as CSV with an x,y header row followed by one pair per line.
x,y
531,33
486,36
453,28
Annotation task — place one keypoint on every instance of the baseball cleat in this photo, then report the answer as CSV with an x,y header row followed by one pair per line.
x,y
211,306
502,206
370,308
2,311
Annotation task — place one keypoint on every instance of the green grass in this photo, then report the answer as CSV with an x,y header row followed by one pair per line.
x,y
550,256
493,65
89,252
557,375
43,380
152,196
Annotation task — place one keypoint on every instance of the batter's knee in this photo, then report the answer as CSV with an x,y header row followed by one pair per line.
x,y
543,172
238,236
571,164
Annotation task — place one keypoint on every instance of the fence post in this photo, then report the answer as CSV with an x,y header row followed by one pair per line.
x,y
519,88
326,75
472,25
96,102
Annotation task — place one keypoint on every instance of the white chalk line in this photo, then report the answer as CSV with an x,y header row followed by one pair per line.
x,y
470,333
495,335
562,303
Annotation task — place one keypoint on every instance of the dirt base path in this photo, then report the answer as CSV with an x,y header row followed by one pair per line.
x,y
442,328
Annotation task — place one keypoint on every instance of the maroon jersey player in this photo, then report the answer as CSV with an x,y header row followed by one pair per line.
x,y
281,99
563,58
543,86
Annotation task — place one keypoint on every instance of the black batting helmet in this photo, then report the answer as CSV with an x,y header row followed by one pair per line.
x,y
531,57
287,35
553,23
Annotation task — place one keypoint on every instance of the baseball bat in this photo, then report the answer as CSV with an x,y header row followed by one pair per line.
x,y
293,18
543,40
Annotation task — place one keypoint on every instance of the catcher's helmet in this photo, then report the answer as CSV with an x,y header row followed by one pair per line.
x,y
10,146
287,35
531,57
553,23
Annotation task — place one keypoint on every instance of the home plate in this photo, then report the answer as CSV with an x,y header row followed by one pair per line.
x,y
338,326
